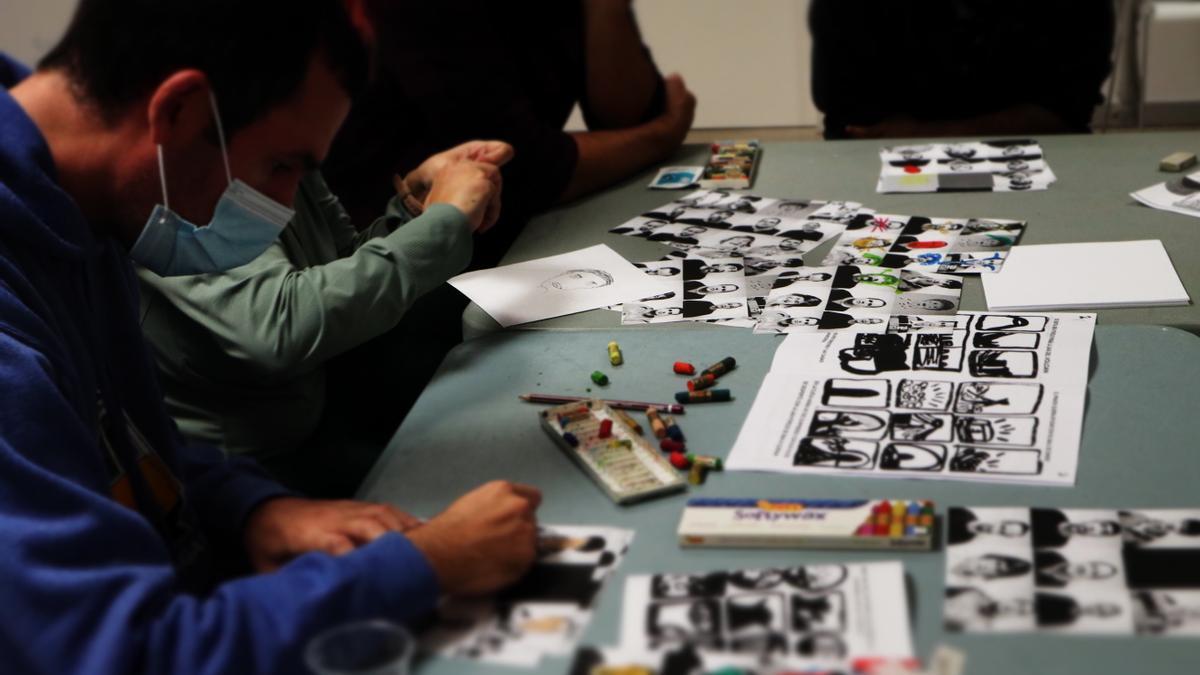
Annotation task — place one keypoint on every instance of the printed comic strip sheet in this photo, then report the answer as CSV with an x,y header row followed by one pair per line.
x,y
826,611
998,398
1093,571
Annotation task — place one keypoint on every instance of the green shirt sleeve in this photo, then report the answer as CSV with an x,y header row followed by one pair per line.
x,y
279,317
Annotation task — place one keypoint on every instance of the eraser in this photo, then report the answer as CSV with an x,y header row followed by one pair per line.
x,y
1178,161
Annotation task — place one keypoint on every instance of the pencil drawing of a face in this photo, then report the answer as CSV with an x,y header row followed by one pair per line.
x,y
576,280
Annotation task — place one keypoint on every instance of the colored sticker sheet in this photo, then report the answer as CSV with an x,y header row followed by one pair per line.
x,y
860,299
1000,398
770,233
688,660
1073,571
1178,195
943,245
823,612
545,612
1016,165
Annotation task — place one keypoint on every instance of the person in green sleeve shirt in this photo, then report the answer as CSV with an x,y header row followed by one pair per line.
x,y
245,355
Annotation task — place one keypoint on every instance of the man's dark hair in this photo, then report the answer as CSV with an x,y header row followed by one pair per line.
x,y
256,53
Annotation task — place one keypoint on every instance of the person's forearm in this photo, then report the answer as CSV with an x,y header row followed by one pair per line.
x,y
608,156
621,79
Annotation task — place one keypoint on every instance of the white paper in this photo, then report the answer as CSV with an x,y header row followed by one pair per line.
x,y
826,611
1136,274
544,613
1073,571
589,278
998,401
996,166
1178,195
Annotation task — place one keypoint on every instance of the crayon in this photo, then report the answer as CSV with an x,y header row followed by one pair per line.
x,y
697,474
913,518
707,462
927,514
599,378
680,461
629,421
720,367
614,354
706,396
606,428
673,429
883,518
899,512
671,445
702,382
571,440
657,427
684,368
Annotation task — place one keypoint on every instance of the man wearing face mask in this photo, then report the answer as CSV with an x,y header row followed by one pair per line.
x,y
119,539
265,359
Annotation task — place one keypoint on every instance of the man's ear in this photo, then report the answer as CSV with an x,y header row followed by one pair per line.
x,y
179,110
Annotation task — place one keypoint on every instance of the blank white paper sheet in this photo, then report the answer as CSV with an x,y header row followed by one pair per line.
x,y
563,284
1095,275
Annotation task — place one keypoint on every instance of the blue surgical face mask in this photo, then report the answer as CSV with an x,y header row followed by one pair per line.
x,y
244,224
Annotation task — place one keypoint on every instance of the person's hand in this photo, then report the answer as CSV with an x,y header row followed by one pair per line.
x,y
484,541
679,111
281,529
421,179
471,187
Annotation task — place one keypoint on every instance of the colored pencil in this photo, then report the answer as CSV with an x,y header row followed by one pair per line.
x,y
673,408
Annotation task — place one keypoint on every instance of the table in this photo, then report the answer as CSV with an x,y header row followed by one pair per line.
x,y
1138,449
1090,202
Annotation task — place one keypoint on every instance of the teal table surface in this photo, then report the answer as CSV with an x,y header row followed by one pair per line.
x,y
1139,448
1090,202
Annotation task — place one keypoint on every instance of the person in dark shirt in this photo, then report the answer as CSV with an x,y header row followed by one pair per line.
x,y
456,70
958,67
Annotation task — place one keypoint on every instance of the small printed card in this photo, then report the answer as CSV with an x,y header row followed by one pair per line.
x,y
676,177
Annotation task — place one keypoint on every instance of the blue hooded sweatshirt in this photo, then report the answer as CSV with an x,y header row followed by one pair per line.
x,y
110,525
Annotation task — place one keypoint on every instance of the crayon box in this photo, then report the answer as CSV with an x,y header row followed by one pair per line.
x,y
808,523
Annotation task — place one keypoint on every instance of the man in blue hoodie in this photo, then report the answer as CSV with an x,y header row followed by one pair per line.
x,y
118,538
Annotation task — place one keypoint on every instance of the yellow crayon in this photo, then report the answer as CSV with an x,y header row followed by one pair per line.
x,y
614,354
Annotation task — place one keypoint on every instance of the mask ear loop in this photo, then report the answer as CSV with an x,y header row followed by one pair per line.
x,y
162,178
212,98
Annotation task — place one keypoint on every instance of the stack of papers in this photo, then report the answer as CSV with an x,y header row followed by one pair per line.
x,y
1049,277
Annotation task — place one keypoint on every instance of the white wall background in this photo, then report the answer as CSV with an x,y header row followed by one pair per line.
x,y
746,61
29,28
